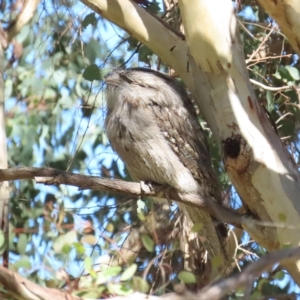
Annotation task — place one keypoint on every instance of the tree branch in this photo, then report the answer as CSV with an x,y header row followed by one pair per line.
x,y
51,176
25,15
23,289
286,14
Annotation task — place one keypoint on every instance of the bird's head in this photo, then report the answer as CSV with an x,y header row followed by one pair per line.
x,y
141,84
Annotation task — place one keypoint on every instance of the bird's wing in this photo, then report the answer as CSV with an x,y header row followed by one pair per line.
x,y
180,126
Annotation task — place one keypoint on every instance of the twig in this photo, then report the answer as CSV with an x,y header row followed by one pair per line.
x,y
259,47
283,116
270,88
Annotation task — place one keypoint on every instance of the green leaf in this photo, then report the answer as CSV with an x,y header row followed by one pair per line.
x,y
23,262
144,54
89,19
294,73
147,242
216,262
22,242
86,281
262,283
279,275
100,290
270,101
256,295
187,277
92,50
65,239
141,216
284,74
2,239
91,73
112,271
23,34
175,245
87,294
129,272
119,289
277,75
59,76
66,249
110,227
101,278
140,285
140,206
197,227
79,248
88,264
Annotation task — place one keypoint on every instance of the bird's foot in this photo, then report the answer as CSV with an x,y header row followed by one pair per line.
x,y
146,186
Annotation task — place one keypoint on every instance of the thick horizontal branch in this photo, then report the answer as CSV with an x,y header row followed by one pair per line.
x,y
51,176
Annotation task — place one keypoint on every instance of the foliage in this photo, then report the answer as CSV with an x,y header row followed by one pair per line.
x,y
55,109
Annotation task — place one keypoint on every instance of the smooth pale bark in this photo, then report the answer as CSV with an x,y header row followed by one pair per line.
x,y
262,171
287,15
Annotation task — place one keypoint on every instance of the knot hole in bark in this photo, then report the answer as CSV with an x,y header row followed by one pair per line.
x,y
232,146
237,154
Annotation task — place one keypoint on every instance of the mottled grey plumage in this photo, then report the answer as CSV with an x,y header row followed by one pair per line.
x,y
152,125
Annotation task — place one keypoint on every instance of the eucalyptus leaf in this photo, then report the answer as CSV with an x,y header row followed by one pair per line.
x,y
147,242
187,277
91,73
89,19
128,273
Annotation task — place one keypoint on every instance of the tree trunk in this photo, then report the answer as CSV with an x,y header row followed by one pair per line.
x,y
262,171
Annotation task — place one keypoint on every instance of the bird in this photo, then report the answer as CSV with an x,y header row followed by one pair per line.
x,y
152,125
